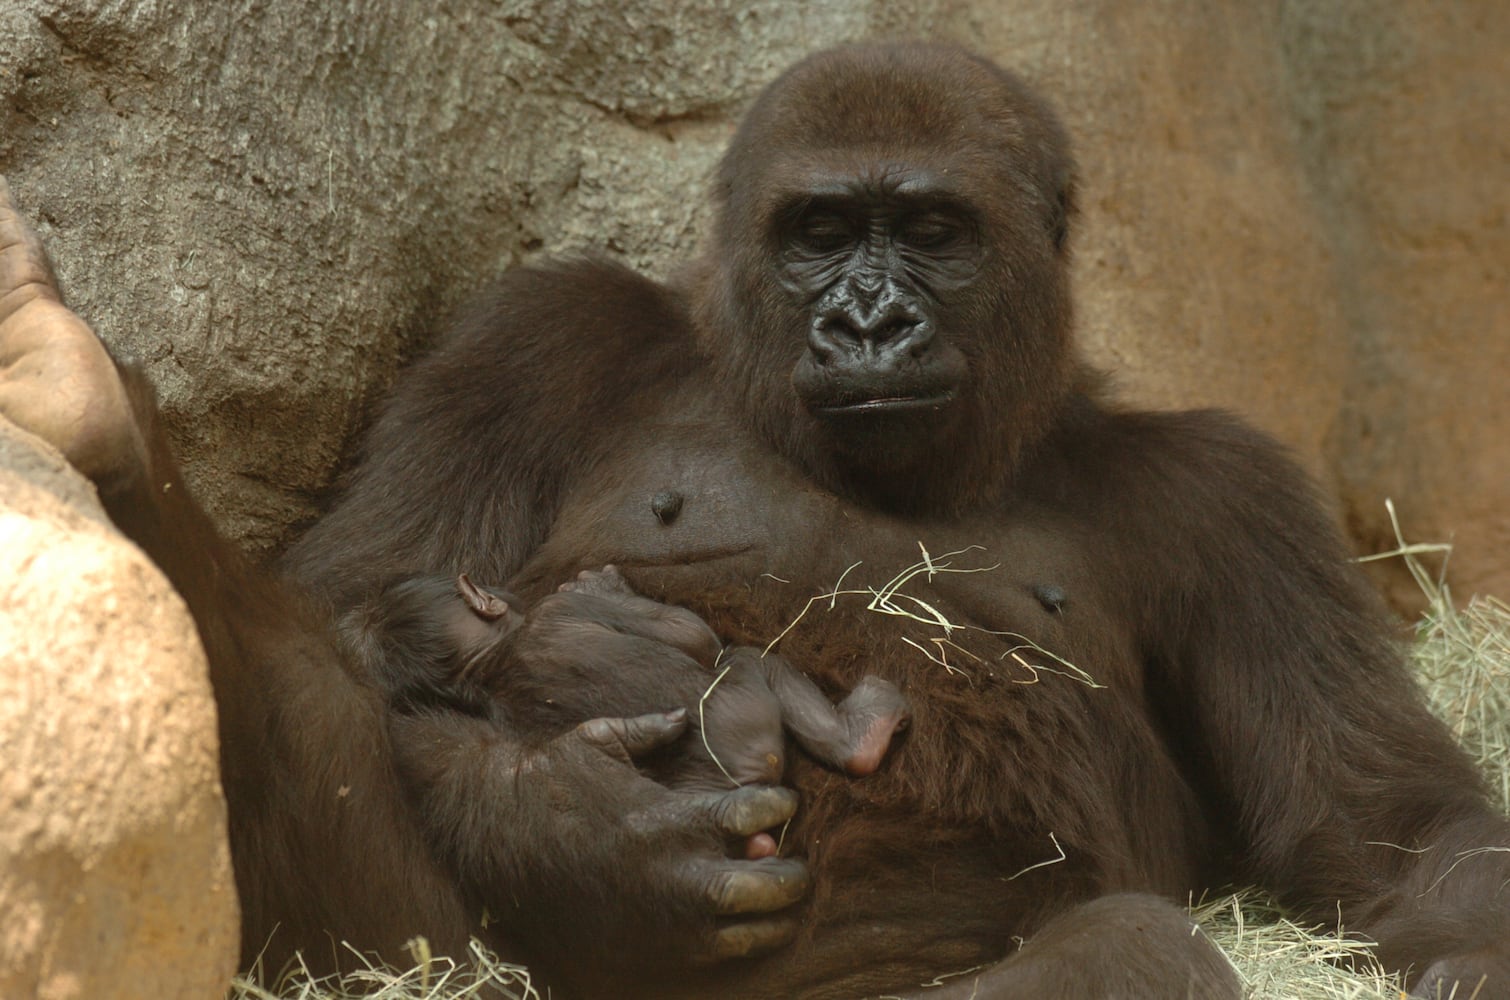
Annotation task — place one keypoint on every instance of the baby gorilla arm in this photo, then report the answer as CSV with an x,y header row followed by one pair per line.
x,y
637,615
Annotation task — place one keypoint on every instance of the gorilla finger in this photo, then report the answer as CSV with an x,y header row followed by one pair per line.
x,y
749,809
759,886
636,736
749,938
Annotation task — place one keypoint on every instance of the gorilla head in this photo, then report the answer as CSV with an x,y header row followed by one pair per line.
x,y
887,283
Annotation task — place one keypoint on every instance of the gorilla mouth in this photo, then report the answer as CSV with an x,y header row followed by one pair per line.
x,y
884,404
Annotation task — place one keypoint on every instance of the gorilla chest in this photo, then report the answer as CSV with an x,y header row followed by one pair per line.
x,y
724,526
1023,672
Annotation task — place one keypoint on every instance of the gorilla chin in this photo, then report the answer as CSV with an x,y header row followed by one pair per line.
x,y
885,437
881,427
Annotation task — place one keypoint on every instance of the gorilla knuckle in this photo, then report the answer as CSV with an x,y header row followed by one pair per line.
x,y
753,808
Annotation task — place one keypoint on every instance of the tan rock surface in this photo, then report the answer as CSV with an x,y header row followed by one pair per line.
x,y
1301,212
115,877
1295,210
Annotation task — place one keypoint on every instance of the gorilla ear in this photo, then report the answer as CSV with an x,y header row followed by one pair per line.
x,y
484,604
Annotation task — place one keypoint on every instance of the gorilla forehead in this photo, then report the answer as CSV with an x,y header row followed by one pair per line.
x,y
875,113
885,94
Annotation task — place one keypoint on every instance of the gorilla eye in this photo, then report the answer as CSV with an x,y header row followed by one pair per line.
x,y
930,231
823,232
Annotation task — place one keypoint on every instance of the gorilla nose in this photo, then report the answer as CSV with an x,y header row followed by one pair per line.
x,y
877,329
883,332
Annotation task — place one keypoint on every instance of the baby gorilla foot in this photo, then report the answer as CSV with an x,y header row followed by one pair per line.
x,y
874,712
605,582
56,379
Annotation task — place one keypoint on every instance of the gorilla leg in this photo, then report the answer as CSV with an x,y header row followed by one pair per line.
x,y
324,847
325,841
1123,947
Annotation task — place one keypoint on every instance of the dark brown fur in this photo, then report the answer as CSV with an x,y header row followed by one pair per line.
x,y
596,649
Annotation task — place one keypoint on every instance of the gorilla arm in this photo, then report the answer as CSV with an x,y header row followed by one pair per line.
x,y
652,905
1282,683
467,463
325,845
321,840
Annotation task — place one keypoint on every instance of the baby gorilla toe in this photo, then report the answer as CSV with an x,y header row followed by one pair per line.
x,y
605,582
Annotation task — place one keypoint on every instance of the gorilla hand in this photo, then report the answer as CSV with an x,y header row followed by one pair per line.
x,y
56,379
594,867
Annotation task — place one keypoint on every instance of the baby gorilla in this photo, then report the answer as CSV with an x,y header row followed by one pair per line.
x,y
597,649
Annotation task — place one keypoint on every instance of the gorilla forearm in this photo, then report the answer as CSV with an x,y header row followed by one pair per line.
x,y
1449,900
1350,800
633,886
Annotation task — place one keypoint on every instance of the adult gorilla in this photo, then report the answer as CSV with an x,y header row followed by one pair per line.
x,y
874,355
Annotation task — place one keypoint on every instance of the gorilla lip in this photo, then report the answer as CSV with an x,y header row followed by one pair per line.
x,y
886,404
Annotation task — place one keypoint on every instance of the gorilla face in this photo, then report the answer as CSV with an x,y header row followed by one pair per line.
x,y
867,265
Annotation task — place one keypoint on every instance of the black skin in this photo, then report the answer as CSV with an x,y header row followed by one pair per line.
x,y
1252,720
597,649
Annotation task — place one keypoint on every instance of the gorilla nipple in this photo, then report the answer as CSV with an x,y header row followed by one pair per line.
x,y
1052,597
665,505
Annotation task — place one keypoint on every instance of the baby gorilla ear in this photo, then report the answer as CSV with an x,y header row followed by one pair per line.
x,y
486,604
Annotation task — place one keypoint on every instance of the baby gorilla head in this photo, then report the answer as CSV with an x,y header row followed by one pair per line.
x,y
423,637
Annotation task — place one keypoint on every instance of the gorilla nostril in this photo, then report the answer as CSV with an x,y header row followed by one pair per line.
x,y
841,328
893,329
919,339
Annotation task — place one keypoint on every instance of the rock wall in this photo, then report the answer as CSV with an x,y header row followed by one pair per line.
x,y
1300,211
1297,210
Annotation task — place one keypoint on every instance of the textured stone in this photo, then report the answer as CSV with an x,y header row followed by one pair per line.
x,y
115,878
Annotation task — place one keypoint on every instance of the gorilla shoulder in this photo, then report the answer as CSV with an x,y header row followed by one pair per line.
x,y
534,323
